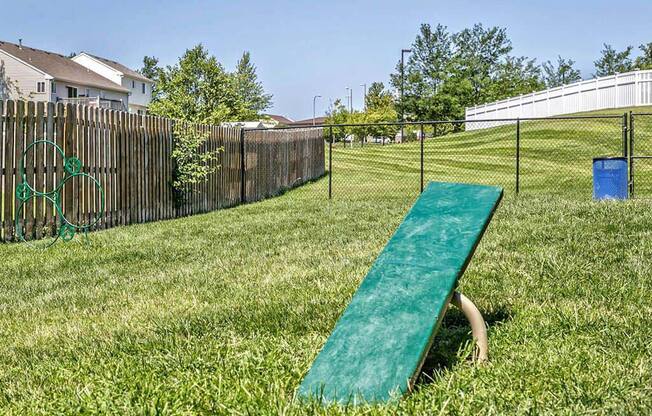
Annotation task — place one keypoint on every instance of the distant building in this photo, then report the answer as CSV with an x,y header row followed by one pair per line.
x,y
40,75
139,86
278,120
318,121
247,125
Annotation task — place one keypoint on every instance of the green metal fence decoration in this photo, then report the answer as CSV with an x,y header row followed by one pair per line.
x,y
25,192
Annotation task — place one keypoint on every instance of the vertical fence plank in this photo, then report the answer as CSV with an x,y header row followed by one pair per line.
x,y
99,169
19,142
110,165
122,158
133,168
39,180
9,171
3,170
29,166
62,114
88,143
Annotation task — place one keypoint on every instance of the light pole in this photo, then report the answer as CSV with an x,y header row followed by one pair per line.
x,y
364,98
313,107
349,97
403,52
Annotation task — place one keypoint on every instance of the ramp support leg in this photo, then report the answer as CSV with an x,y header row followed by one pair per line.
x,y
478,326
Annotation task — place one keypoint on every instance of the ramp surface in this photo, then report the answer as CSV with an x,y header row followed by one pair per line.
x,y
379,343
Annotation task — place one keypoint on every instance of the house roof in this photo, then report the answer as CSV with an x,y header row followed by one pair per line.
x,y
59,67
308,122
120,68
243,124
280,119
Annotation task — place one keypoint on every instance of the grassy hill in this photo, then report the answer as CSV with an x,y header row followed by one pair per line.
x,y
224,312
555,157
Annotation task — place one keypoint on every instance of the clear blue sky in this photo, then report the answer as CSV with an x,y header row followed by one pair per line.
x,y
303,48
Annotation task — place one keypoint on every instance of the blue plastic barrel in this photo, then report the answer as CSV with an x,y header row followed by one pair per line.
x,y
609,178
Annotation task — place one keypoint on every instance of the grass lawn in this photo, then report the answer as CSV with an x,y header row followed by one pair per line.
x,y
224,312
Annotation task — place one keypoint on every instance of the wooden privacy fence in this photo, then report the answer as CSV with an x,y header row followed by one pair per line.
x,y
130,156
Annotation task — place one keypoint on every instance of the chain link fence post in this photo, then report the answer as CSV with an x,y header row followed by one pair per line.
x,y
624,125
518,155
330,164
631,154
422,138
243,173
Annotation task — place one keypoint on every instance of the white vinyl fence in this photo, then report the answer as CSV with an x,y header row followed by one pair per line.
x,y
615,91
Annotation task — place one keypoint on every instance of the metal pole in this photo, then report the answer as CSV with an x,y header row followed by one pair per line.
x,y
422,158
351,100
364,98
403,52
631,154
624,134
313,108
518,154
330,164
402,88
243,174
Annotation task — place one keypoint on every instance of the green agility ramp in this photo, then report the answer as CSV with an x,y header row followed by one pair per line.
x,y
380,342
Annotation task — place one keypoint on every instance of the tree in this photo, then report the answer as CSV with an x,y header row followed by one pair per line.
x,y
448,72
8,89
424,74
515,76
199,89
150,68
379,108
645,60
612,61
250,92
561,73
337,113
378,97
479,53
5,83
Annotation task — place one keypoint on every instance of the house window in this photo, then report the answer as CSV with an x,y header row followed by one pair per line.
x,y
72,92
133,84
54,88
143,88
40,87
88,92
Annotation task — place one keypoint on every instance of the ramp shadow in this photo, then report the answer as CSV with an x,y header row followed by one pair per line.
x,y
453,335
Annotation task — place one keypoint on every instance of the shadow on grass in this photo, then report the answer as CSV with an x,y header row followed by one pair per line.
x,y
453,343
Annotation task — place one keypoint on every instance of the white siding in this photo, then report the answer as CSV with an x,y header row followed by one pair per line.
x,y
25,78
98,67
137,99
616,91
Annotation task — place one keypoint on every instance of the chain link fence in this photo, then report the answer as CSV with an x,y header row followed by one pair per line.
x,y
640,137
528,156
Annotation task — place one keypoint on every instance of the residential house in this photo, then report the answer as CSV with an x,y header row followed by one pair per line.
x,y
309,122
139,86
247,125
39,75
277,120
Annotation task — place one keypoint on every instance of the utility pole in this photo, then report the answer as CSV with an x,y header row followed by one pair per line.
x,y
403,52
313,107
364,98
